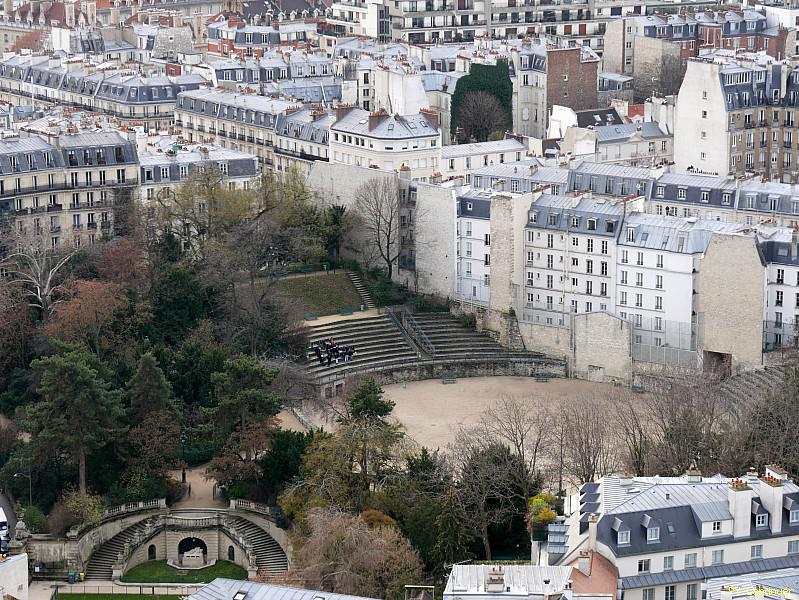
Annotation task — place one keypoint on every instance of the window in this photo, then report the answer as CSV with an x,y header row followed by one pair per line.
x,y
589,245
716,526
793,547
659,263
668,563
604,247
690,560
717,557
649,594
653,533
623,298
761,520
690,591
624,256
794,517
639,300
623,537
659,282
669,592
757,551
643,565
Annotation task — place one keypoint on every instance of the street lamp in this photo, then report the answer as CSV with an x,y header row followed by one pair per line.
x,y
183,456
30,486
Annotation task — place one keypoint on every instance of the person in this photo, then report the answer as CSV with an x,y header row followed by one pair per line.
x,y
329,358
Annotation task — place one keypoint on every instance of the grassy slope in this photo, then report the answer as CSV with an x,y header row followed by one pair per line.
x,y
320,293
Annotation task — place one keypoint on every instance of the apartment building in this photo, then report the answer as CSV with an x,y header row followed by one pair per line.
x,y
67,189
164,163
570,256
280,133
671,537
473,245
780,248
461,160
123,93
232,36
609,180
749,202
738,116
390,142
527,176
655,49
644,144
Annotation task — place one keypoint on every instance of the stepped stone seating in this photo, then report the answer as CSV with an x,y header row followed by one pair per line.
x,y
452,340
741,389
377,343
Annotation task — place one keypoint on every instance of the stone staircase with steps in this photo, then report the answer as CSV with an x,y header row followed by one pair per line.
x,y
515,340
739,390
101,562
453,340
269,556
359,286
376,340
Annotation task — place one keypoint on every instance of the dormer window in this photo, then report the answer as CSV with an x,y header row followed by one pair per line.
x,y
761,520
653,534
631,234
623,538
794,516
716,526
591,224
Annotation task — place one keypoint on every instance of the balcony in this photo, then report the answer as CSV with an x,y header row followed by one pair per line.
x,y
55,208
77,227
55,228
91,225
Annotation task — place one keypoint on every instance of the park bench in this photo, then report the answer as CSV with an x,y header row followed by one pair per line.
x,y
542,377
447,378
306,270
312,316
345,311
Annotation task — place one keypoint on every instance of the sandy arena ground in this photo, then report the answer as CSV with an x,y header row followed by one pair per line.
x,y
432,412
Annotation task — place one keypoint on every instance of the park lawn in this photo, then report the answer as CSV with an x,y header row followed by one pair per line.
x,y
71,596
157,571
323,294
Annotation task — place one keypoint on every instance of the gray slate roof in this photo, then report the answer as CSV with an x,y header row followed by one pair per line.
x,y
226,589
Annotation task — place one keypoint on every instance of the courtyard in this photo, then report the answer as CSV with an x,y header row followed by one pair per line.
x,y
431,412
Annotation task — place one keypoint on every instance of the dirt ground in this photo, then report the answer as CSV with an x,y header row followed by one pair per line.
x,y
432,412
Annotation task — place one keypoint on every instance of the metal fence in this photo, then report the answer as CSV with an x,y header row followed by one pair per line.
x,y
91,587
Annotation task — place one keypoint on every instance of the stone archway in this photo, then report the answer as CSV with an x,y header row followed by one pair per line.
x,y
192,551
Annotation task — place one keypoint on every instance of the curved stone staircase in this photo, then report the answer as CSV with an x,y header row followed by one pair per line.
x,y
101,562
269,556
739,390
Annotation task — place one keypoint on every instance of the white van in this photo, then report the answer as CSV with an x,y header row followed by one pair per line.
x,y
4,532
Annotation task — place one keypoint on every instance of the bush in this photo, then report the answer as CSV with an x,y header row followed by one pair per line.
x,y
468,320
35,520
60,519
429,304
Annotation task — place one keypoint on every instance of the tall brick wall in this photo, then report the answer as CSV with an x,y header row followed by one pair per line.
x,y
570,82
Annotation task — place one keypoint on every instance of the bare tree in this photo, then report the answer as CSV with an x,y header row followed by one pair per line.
x,y
589,445
488,482
633,426
34,266
525,427
377,204
342,554
480,114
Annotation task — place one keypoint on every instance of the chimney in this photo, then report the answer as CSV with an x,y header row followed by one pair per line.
x,y
771,495
198,28
693,475
375,118
177,20
115,18
8,8
739,496
495,579
91,13
342,110
592,527
433,118
584,563
69,14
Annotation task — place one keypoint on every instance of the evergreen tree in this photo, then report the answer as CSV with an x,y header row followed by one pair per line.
x,y
242,394
452,538
367,401
78,411
148,391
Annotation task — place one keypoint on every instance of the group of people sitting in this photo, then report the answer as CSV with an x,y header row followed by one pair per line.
x,y
327,351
